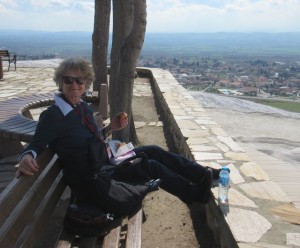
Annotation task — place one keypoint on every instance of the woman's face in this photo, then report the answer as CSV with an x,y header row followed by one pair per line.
x,y
73,84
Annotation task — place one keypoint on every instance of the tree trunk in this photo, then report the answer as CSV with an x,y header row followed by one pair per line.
x,y
100,42
129,26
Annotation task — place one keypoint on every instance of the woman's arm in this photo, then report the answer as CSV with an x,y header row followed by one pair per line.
x,y
46,131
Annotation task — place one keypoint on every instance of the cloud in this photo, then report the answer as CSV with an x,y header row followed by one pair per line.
x,y
162,15
7,6
38,6
212,16
50,3
87,5
50,15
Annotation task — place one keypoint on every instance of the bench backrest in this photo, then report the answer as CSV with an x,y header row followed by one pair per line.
x,y
27,203
4,53
14,121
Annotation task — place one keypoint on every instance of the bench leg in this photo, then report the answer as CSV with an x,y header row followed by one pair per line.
x,y
1,69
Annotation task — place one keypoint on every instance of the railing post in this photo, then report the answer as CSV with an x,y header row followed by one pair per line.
x,y
1,69
103,101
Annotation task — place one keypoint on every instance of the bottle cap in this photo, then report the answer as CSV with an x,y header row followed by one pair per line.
x,y
226,168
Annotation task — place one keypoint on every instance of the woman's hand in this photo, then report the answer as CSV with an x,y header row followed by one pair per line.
x,y
119,122
28,166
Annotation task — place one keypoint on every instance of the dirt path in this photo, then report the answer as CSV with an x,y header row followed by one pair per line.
x,y
170,223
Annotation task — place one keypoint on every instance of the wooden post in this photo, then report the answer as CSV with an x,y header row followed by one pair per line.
x,y
99,120
1,69
103,101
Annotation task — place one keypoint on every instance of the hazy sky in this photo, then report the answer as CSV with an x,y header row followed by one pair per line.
x,y
162,15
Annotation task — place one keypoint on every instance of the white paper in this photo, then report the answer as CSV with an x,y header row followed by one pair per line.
x,y
119,148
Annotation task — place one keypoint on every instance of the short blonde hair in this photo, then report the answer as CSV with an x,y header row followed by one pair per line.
x,y
74,64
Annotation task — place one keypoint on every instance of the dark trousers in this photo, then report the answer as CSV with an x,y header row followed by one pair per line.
x,y
180,176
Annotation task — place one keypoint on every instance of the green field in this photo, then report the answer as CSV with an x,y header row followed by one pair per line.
x,y
285,105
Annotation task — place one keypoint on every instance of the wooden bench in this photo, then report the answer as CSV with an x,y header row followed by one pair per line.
x,y
16,122
10,58
27,204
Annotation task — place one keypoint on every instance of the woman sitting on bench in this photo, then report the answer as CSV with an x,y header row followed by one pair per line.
x,y
68,128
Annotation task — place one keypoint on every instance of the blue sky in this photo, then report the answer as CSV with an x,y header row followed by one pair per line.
x,y
162,15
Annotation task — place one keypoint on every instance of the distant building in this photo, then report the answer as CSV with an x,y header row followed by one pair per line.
x,y
285,91
249,91
244,78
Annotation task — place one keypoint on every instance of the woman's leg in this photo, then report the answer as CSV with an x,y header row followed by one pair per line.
x,y
180,165
178,185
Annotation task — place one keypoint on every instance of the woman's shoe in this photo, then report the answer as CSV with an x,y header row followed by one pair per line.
x,y
154,185
216,173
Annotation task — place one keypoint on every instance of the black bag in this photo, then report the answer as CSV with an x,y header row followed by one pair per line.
x,y
122,193
86,220
121,196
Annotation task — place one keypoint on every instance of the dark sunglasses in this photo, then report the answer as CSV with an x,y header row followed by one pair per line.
x,y
70,80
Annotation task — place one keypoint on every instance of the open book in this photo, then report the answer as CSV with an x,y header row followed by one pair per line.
x,y
121,151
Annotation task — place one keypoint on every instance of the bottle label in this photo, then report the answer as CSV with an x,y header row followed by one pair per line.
x,y
224,180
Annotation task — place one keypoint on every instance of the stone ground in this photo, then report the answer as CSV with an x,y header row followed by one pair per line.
x,y
272,131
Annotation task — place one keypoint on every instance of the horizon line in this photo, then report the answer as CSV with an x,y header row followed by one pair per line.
x,y
213,32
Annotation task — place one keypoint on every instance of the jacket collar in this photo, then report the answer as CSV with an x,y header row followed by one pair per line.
x,y
62,104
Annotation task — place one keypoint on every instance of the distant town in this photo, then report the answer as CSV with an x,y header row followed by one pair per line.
x,y
272,77
231,76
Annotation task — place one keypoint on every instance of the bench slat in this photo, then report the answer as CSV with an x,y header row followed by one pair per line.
x,y
18,187
7,114
111,240
43,214
4,53
17,133
18,125
27,137
64,244
18,217
134,231
11,119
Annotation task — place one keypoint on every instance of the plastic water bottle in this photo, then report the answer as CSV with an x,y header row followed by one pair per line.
x,y
224,181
